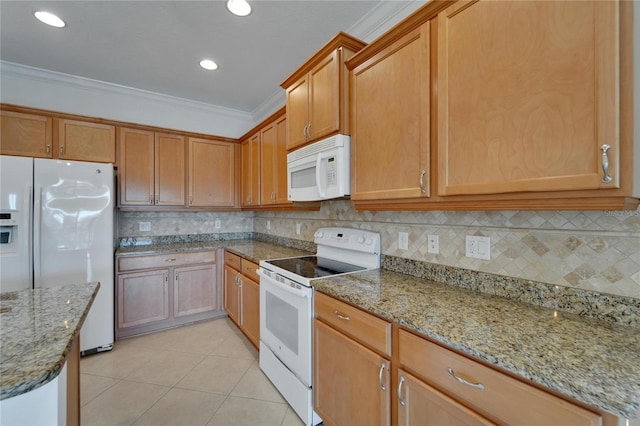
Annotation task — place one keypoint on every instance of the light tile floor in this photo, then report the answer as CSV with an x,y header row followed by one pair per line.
x,y
203,374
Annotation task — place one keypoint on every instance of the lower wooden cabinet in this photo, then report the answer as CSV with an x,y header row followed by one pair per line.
x,y
357,379
351,383
163,291
242,295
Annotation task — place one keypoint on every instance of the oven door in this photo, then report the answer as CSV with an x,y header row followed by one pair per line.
x,y
286,316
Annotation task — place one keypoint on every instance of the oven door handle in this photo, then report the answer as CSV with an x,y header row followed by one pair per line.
x,y
302,293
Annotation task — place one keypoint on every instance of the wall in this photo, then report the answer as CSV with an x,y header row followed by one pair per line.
x,y
597,251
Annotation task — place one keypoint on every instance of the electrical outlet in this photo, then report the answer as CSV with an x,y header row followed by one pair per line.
x,y
478,247
144,226
298,228
268,224
433,244
217,224
403,240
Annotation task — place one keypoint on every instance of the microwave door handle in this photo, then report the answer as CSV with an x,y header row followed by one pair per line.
x,y
318,181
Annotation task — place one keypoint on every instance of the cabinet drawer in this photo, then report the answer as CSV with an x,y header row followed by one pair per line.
x,y
503,399
354,322
249,270
232,260
165,260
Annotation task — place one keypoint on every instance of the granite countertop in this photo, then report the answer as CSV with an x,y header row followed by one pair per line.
x,y
250,249
37,329
591,361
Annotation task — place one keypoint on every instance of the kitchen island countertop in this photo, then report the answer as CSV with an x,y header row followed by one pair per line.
x,y
591,361
37,330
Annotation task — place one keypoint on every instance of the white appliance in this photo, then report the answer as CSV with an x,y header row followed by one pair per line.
x,y
286,309
319,171
56,228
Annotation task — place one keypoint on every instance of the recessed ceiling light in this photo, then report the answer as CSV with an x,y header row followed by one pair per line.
x,y
50,19
208,64
239,7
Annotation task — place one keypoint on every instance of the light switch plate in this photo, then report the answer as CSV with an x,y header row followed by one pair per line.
x,y
403,240
298,228
478,247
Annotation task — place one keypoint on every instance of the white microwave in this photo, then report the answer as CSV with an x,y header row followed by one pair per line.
x,y
319,171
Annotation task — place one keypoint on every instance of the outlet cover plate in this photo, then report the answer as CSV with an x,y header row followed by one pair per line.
x,y
433,244
403,240
478,247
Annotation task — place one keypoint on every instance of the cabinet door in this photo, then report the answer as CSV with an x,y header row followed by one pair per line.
x,y
232,294
347,389
136,167
324,97
170,170
250,291
527,96
194,290
143,297
267,164
390,121
212,173
26,135
84,141
297,112
280,162
419,403
251,171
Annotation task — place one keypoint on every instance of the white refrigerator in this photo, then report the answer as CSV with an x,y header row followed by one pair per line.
x,y
56,228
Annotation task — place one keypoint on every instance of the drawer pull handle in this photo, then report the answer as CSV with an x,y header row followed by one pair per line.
x,y
463,381
422,189
337,314
170,260
382,367
400,400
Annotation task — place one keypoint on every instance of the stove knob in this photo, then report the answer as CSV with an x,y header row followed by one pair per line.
x,y
319,234
360,239
369,241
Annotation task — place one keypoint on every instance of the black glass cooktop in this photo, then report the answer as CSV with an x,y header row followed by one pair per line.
x,y
314,267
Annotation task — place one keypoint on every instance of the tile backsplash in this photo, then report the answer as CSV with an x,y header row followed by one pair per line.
x,y
597,251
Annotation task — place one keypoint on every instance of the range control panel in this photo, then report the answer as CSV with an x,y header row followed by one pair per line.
x,y
349,239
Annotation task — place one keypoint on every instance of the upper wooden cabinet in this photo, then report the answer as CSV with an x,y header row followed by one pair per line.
x,y
390,121
463,109
32,135
250,149
26,135
528,96
212,173
152,168
273,162
85,141
317,93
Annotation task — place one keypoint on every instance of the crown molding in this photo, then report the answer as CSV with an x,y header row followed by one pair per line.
x,y
382,17
25,72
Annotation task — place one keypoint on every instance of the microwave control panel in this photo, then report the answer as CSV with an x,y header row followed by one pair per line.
x,y
331,171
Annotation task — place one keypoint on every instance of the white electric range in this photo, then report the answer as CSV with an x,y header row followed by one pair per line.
x,y
286,308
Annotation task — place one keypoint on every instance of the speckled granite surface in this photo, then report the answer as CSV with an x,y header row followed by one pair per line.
x,y
37,328
592,361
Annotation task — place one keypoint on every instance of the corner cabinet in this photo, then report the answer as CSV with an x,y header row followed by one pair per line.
x,y
273,162
242,295
212,173
162,291
317,94
152,168
461,115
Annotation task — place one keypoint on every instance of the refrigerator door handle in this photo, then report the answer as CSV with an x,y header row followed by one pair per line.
x,y
28,193
37,216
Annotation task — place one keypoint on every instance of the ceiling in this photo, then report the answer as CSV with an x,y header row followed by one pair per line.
x,y
157,45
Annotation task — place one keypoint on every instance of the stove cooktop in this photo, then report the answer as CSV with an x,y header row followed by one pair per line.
x,y
314,266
